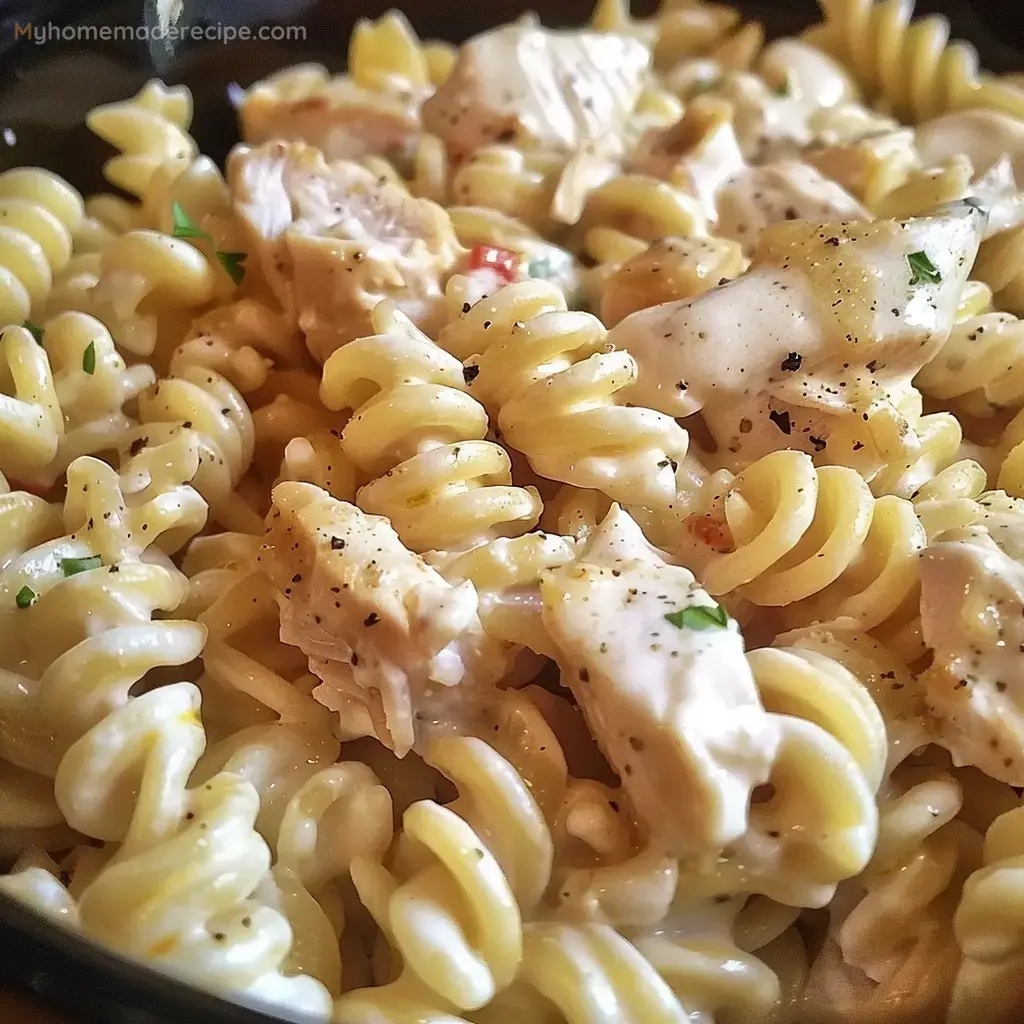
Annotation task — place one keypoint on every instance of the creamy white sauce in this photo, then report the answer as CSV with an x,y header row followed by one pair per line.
x,y
825,324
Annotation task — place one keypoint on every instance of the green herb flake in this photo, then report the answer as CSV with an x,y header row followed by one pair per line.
x,y
73,566
183,224
539,268
785,89
25,597
698,616
35,330
922,270
232,263
89,358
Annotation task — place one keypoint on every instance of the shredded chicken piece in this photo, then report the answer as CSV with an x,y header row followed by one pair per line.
x,y
972,615
673,705
537,88
334,240
788,190
338,116
699,153
394,644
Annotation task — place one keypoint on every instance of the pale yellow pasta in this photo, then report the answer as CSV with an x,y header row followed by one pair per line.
x,y
909,64
544,373
813,542
210,411
40,212
145,289
151,131
441,484
988,928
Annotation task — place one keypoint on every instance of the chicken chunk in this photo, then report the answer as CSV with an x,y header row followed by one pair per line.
x,y
537,88
823,333
394,644
788,190
342,118
334,240
660,674
699,153
972,616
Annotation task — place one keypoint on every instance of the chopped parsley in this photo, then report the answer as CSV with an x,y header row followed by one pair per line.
x,y
699,616
785,88
25,597
232,263
73,566
89,358
539,268
922,270
184,227
35,330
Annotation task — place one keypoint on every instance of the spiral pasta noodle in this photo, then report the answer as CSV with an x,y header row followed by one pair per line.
x,y
979,366
908,64
814,543
151,132
1000,265
988,927
543,371
40,213
440,483
204,406
826,717
481,888
30,816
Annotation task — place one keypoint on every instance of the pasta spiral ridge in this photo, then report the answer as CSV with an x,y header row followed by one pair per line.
x,y
1000,265
30,817
145,287
815,543
204,406
151,132
419,438
907,63
545,374
39,212
456,916
981,365
988,928
829,728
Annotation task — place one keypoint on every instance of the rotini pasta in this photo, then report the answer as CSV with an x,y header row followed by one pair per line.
x,y
544,373
988,928
812,542
440,484
40,214
910,65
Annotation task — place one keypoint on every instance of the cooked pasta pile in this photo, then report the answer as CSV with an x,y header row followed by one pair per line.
x,y
539,535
